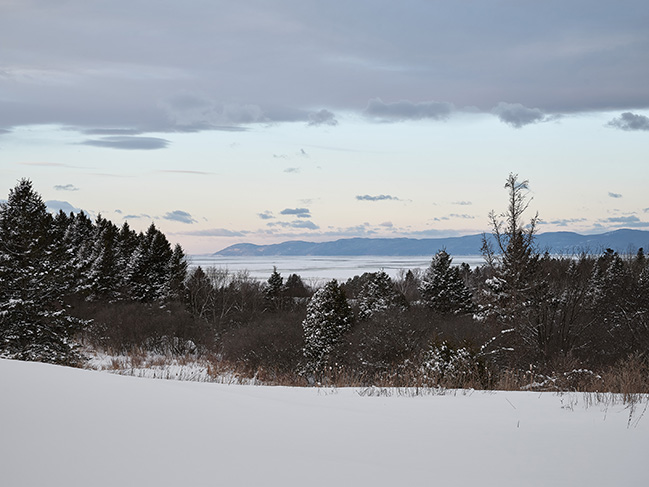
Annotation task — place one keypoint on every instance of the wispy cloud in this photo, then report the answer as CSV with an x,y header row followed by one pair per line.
x,y
128,143
137,217
308,224
630,121
179,216
462,203
614,195
66,187
292,170
380,197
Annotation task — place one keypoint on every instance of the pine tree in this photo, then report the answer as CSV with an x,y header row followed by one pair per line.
x,y
328,318
378,295
442,288
177,274
34,323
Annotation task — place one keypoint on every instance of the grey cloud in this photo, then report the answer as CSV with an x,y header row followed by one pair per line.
x,y
136,217
564,222
119,212
293,170
517,115
266,215
295,224
386,224
179,216
299,212
462,203
463,216
614,195
66,187
128,143
323,117
631,221
380,197
174,79
630,121
407,110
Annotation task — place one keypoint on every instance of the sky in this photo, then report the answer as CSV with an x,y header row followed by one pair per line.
x,y
225,122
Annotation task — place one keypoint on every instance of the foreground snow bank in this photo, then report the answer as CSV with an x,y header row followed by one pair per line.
x,y
69,427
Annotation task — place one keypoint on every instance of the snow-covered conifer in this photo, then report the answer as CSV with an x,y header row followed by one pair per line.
x,y
442,288
34,323
328,317
378,294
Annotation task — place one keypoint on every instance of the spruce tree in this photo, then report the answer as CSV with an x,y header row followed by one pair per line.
x,y
378,295
328,318
442,288
34,322
274,291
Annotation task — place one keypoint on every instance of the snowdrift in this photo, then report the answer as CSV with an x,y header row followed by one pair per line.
x,y
70,427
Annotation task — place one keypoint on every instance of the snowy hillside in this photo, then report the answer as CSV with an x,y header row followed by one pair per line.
x,y
70,427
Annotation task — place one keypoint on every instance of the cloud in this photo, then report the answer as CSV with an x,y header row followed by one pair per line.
x,y
462,216
614,195
299,212
137,217
295,224
179,216
323,117
386,225
119,212
175,80
54,206
266,215
564,222
407,110
631,221
462,203
517,115
66,187
128,143
630,121
380,197
293,170
216,232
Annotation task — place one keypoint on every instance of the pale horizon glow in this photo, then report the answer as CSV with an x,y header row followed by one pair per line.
x,y
226,123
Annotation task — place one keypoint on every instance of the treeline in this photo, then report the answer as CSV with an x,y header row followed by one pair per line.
x,y
523,319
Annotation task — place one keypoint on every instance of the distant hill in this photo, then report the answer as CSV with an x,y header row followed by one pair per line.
x,y
553,242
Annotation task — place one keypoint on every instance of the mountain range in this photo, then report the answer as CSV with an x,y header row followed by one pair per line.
x,y
622,241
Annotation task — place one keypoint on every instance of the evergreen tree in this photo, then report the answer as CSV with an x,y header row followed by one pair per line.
x,y
34,323
177,273
274,291
442,288
328,318
378,295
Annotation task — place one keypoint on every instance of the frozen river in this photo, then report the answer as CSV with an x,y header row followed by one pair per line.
x,y
317,268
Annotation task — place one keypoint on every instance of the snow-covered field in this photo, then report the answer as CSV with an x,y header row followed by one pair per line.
x,y
71,427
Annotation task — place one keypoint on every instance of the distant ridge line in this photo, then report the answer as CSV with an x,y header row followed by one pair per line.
x,y
622,241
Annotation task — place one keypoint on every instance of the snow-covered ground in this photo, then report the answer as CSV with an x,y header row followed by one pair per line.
x,y
71,427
